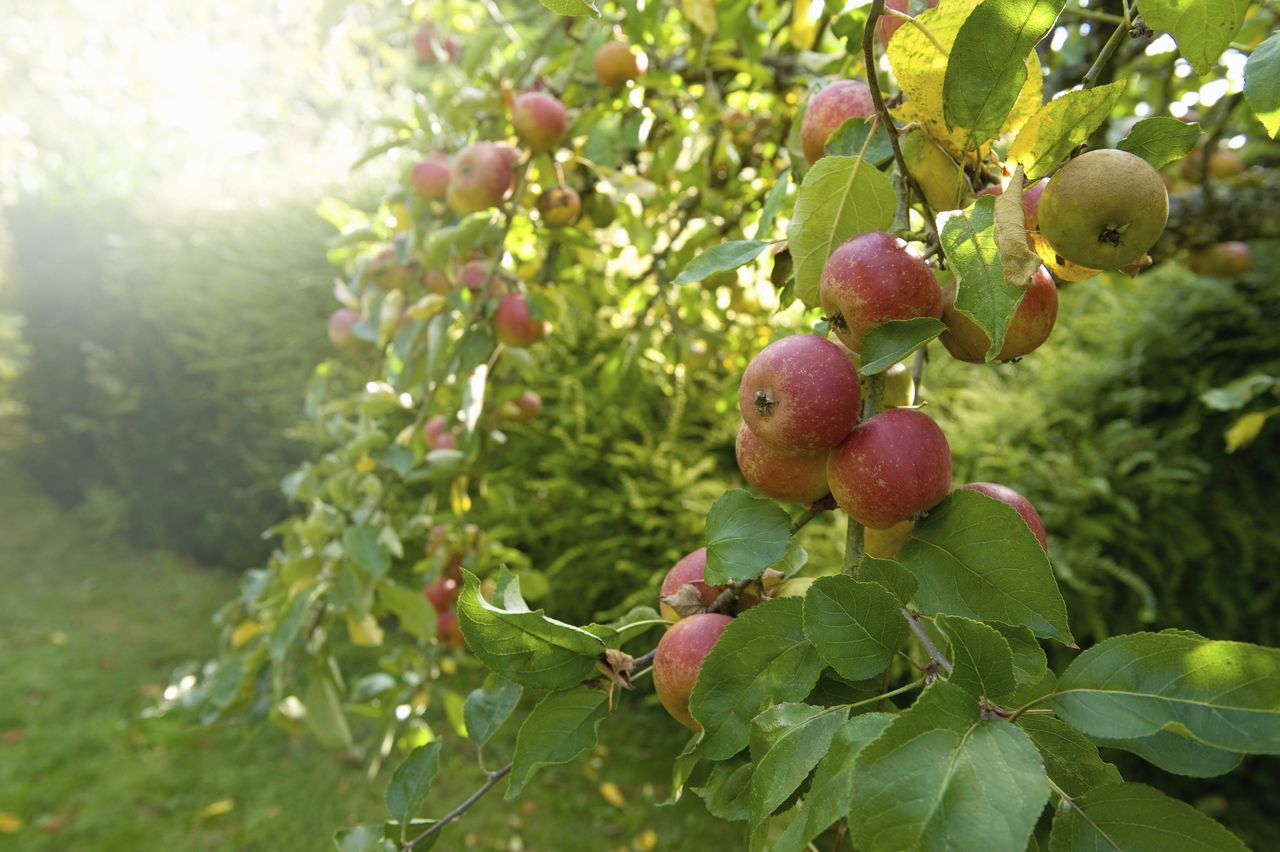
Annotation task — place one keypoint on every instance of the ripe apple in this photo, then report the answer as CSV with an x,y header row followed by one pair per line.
x,y
559,206
437,435
430,177
800,395
1104,209
1224,260
874,278
540,120
678,659
885,544
831,107
514,323
1005,494
889,24
480,177
529,404
616,65
689,569
448,631
891,468
1031,324
442,593
789,478
340,333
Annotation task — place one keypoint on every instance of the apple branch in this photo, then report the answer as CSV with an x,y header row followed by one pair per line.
x,y
932,649
494,777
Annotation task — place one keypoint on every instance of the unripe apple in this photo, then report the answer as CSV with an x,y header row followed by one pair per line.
x,y
480,177
540,120
1222,164
678,659
529,405
796,587
1224,260
800,395
874,278
340,333
885,544
941,178
889,24
1104,209
437,435
442,593
434,281
789,478
1005,494
430,177
559,206
514,323
831,107
690,569
448,631
616,65
1031,324
891,468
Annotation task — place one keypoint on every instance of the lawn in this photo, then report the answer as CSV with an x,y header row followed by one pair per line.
x,y
90,631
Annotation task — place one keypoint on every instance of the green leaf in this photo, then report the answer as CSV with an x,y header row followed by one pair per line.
x,y
414,611
1070,758
1178,754
489,706
1136,818
1224,694
787,741
1203,29
1238,394
981,656
363,546
561,727
745,535
1160,140
1262,83
324,713
987,64
1029,660
720,258
969,240
976,557
362,838
850,137
839,197
773,204
940,778
411,782
1059,126
889,574
727,791
526,647
761,659
890,342
856,626
832,787
572,8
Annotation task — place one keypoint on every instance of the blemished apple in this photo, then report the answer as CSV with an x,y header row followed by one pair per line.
x,y
1031,325
892,467
514,323
800,395
885,544
874,278
691,568
616,64
437,435
540,120
442,593
678,659
831,107
559,206
789,478
430,178
480,178
1005,494
1223,260
341,335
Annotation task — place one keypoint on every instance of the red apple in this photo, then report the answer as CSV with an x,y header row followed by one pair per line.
x,y
529,406
514,323
789,478
452,47
1030,201
442,593
448,631
540,120
889,24
430,177
874,278
1225,260
340,333
891,468
800,395
481,177
424,45
831,107
615,64
434,281
678,659
1005,494
690,569
1031,324
437,436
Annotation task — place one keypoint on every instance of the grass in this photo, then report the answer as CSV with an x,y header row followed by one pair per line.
x,y
91,631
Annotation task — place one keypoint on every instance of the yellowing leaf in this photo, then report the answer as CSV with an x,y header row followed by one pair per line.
x,y
1060,125
459,497
218,808
10,823
702,14
364,631
645,841
803,28
244,631
1245,430
612,794
58,638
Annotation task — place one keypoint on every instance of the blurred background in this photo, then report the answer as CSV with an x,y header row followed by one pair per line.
x,y
164,288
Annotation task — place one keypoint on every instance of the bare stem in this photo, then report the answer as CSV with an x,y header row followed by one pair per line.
x,y
853,547
932,649
494,777
1108,50
826,504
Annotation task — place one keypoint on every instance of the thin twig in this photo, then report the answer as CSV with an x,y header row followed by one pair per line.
x,y
1108,49
494,777
932,649
826,504
644,660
